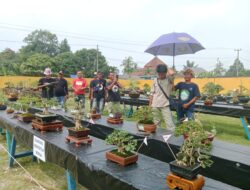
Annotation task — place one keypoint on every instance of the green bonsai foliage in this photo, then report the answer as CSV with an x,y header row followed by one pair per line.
x,y
211,89
123,141
134,86
195,149
145,115
146,88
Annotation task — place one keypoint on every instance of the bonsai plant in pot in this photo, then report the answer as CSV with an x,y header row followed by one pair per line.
x,y
115,118
146,89
78,134
45,116
211,90
134,89
94,115
193,155
191,126
126,145
145,119
46,121
13,96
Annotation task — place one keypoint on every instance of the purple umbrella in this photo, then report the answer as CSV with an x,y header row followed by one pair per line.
x,y
174,44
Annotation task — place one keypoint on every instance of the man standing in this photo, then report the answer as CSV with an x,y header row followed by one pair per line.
x,y
61,89
79,86
47,84
113,98
188,94
90,91
97,88
160,92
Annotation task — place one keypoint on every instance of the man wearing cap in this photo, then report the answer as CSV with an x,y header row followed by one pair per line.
x,y
188,94
98,92
160,92
61,88
79,86
47,84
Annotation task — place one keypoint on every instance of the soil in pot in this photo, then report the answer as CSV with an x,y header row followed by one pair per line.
x,y
189,173
122,159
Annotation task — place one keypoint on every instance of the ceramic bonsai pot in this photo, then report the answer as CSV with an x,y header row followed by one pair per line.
x,y
121,160
45,118
83,132
25,117
243,99
134,95
151,128
10,111
185,172
3,107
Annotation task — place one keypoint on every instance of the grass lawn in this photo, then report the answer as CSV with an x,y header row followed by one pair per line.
x,y
50,176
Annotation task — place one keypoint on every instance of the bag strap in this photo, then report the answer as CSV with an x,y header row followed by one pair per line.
x,y
162,90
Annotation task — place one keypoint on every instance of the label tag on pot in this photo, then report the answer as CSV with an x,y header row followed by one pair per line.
x,y
39,148
141,127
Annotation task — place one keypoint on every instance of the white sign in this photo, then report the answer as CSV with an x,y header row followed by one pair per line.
x,y
39,148
166,137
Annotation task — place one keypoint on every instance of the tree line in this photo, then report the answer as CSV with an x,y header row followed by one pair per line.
x,y
42,49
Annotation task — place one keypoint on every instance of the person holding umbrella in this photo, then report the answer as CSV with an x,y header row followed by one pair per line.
x,y
160,92
188,94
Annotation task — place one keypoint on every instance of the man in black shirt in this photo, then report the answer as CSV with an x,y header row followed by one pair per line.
x,y
47,84
97,88
114,98
61,89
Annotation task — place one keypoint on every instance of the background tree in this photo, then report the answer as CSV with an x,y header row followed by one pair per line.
x,y
40,41
64,46
128,65
35,64
236,67
219,70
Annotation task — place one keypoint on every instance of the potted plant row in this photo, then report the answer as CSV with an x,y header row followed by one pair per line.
x,y
125,146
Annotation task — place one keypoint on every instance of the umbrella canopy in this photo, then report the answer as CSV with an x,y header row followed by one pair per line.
x,y
174,44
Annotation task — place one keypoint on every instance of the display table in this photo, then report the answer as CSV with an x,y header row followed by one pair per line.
x,y
89,166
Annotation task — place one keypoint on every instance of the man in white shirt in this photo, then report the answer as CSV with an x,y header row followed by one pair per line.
x,y
159,100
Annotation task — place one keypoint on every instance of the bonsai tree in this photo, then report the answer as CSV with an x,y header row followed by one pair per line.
x,y
123,141
211,89
134,86
144,115
146,88
195,149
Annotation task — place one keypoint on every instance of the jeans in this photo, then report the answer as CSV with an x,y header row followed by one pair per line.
x,y
80,98
61,100
98,104
182,113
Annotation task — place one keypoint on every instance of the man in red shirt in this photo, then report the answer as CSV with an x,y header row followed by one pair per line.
x,y
79,86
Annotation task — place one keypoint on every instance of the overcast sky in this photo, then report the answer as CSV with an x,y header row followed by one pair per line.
x,y
124,28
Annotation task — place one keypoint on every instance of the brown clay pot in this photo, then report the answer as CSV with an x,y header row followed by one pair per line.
x,y
121,160
9,111
151,128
